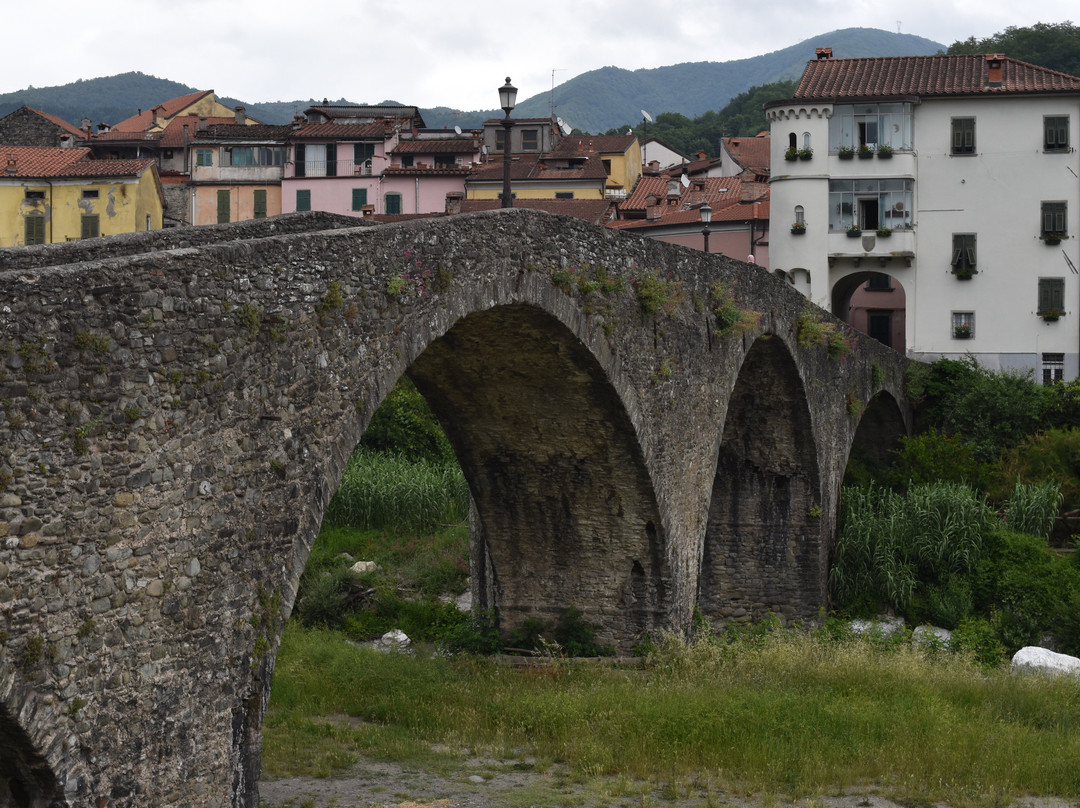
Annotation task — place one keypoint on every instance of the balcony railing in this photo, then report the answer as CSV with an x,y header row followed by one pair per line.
x,y
334,168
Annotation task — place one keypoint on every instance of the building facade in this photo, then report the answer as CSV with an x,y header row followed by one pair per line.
x,y
949,181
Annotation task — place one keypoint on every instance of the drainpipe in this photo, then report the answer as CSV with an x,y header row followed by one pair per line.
x,y
416,195
51,213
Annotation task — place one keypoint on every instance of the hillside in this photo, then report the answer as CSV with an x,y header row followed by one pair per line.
x,y
592,102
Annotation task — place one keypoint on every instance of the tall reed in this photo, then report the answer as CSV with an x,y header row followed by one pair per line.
x,y
382,490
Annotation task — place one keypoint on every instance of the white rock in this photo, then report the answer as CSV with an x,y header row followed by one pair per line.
x,y
1042,660
884,625
932,635
361,567
395,638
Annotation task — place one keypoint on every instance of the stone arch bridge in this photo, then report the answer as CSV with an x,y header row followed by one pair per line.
x,y
645,430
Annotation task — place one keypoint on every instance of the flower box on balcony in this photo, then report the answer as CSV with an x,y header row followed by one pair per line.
x,y
884,152
798,228
1051,316
845,152
963,274
791,154
806,154
884,232
854,231
865,152
962,332
1051,238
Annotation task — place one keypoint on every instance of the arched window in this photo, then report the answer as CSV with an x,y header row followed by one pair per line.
x,y
806,140
799,215
792,141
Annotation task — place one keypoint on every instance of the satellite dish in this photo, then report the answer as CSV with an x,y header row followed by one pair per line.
x,y
646,116
566,130
484,150
685,182
630,131
457,129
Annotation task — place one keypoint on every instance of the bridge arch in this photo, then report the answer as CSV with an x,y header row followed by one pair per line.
x,y
763,550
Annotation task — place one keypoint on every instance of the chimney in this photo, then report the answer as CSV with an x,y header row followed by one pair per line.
x,y
823,53
202,124
653,211
673,189
10,170
453,203
158,119
701,155
994,64
239,118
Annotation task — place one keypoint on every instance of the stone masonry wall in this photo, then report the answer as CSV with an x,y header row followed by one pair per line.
x,y
174,420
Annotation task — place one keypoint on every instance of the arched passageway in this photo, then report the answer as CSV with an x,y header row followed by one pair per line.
x,y
567,516
763,551
875,304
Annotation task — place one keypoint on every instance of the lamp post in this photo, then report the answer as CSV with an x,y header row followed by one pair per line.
x,y
706,217
507,99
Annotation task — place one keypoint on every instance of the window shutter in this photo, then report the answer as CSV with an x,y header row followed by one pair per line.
x,y
956,254
260,203
331,159
303,200
393,203
1044,296
223,207
1057,294
89,227
969,249
35,230
359,198
299,161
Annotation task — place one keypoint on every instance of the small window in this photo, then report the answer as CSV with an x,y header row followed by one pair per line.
x,y
204,157
91,226
35,229
800,215
500,140
963,324
564,194
362,153
406,161
359,198
1056,133
806,140
792,141
90,193
1053,368
148,222
303,199
607,167
445,161
879,282
963,253
529,140
1053,218
393,203
35,194
259,203
1051,296
223,207
963,135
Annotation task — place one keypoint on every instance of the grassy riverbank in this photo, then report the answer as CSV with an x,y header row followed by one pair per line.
x,y
771,712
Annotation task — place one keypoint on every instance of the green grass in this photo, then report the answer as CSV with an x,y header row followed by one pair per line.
x,y
794,714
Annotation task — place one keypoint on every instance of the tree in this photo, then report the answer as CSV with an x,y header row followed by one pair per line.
x,y
1052,45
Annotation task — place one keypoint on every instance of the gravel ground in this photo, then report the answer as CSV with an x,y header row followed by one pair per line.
x,y
487,783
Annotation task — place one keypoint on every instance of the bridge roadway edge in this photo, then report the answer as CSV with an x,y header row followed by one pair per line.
x,y
172,429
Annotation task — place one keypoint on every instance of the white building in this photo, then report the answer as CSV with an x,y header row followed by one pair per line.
x,y
971,162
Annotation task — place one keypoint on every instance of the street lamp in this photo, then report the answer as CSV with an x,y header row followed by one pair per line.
x,y
706,217
507,99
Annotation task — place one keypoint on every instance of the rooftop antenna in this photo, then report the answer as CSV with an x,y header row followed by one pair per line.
x,y
553,71
898,26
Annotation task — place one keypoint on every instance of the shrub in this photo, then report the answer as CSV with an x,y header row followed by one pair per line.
x,y
1033,508
934,456
1053,455
405,425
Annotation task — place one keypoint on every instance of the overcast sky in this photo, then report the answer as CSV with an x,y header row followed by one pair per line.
x,y
431,53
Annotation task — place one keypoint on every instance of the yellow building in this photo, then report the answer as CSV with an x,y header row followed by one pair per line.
x,y
579,167
54,195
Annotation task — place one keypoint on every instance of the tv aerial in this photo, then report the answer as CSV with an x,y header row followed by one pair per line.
x,y
564,126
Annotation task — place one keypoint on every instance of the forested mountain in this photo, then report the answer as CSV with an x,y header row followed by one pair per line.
x,y
592,102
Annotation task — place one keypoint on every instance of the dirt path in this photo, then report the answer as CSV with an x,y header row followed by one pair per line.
x,y
486,783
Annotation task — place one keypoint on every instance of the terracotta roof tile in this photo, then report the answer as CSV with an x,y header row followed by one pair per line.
x,y
751,153
339,131
32,163
719,192
437,146
139,122
926,76
239,131
597,144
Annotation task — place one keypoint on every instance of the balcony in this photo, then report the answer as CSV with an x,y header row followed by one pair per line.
x,y
871,248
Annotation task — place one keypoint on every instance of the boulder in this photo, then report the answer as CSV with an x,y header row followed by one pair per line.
x,y
396,639
1033,659
932,635
362,567
884,625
